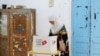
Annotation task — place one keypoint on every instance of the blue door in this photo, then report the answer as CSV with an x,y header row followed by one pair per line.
x,y
81,27
85,27
95,28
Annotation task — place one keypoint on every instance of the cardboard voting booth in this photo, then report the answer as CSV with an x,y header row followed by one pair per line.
x,y
44,44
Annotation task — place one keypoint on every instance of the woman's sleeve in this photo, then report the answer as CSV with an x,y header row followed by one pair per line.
x,y
50,33
64,34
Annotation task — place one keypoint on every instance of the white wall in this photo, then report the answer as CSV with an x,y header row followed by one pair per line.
x,y
61,9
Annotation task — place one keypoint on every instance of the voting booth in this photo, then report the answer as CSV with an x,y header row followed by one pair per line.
x,y
44,44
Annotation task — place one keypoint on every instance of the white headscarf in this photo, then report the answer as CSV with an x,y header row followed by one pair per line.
x,y
55,28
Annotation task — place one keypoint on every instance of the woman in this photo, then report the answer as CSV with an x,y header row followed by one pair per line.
x,y
62,40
